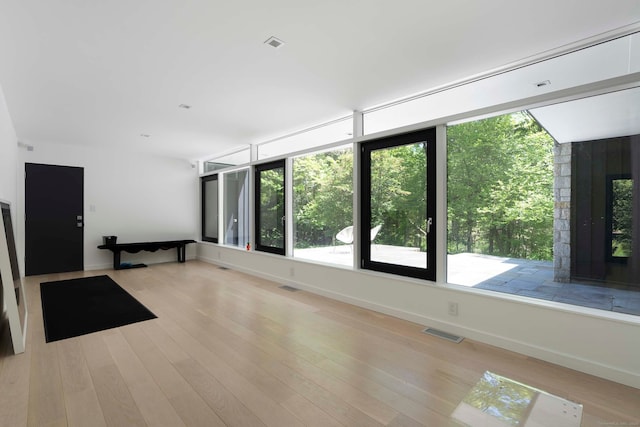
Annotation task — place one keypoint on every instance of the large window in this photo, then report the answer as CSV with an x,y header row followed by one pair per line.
x,y
236,208
323,206
209,186
542,203
270,207
500,202
398,204
500,188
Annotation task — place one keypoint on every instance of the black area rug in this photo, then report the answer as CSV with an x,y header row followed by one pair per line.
x,y
81,306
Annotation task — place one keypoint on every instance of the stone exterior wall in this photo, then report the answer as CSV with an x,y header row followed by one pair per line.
x,y
562,213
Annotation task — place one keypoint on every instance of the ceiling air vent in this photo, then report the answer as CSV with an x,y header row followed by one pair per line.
x,y
274,42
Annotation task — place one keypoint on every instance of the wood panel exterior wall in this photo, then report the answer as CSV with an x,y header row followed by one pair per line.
x,y
592,162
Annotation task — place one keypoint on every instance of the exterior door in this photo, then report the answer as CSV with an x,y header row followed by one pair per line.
x,y
54,219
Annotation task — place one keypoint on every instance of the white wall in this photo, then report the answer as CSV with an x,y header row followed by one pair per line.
x,y
8,156
599,343
133,196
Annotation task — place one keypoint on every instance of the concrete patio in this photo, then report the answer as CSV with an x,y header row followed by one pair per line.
x,y
509,275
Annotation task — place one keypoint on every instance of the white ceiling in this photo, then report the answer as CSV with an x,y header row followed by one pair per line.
x,y
101,73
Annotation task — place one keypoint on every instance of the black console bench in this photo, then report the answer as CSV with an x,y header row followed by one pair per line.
x,y
133,248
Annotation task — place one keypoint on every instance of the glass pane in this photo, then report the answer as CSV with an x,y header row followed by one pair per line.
x,y
233,159
210,211
500,202
621,210
338,130
399,223
323,206
236,208
542,203
271,208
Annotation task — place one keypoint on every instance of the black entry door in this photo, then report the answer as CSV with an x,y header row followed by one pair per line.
x,y
54,219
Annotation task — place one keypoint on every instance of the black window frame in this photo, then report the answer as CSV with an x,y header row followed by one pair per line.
x,y
258,169
424,135
203,181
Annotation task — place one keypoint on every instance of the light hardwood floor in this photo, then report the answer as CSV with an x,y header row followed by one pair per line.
x,y
228,349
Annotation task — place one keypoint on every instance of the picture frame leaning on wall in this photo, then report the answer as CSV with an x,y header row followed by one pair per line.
x,y
13,293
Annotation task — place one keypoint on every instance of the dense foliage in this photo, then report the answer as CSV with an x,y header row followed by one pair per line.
x,y
500,188
398,195
323,197
500,191
272,207
621,217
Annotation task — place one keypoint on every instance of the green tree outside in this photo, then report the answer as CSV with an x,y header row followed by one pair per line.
x,y
323,197
500,188
500,191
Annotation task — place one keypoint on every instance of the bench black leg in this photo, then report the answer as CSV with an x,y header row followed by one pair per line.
x,y
116,259
181,253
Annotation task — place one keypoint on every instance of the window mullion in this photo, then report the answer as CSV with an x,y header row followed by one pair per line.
x,y
440,221
288,206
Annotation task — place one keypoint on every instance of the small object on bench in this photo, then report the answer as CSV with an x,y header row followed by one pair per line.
x,y
109,240
117,248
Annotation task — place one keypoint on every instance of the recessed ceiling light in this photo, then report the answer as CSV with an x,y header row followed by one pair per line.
x,y
274,42
185,106
145,135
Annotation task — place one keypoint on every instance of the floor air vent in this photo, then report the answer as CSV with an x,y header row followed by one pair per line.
x,y
441,334
289,288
